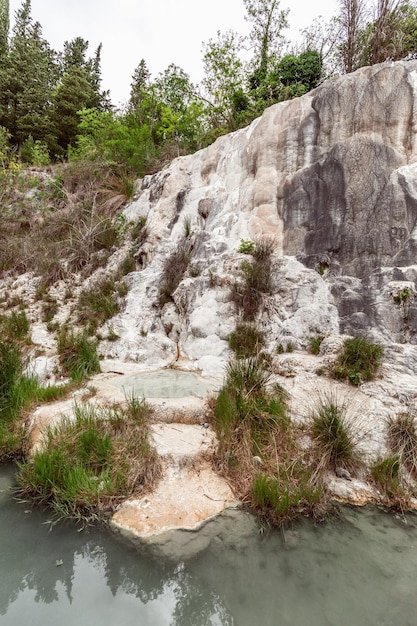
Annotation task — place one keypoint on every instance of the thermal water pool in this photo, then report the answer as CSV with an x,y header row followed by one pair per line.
x,y
357,570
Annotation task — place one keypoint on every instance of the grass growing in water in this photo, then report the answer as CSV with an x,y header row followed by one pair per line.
x,y
89,464
258,449
359,361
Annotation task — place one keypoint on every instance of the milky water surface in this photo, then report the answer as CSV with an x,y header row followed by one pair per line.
x,y
359,570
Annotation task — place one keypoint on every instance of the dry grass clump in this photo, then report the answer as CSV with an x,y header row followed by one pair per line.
x,y
402,439
89,465
175,266
62,224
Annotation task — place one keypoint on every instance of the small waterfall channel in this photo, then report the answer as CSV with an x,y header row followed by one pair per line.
x,y
357,569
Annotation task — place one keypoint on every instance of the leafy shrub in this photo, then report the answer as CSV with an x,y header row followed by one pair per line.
x,y
77,354
333,434
246,340
89,465
359,361
246,246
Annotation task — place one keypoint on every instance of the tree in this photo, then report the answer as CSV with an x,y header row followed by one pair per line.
x,y
75,56
224,76
268,21
352,20
4,27
26,80
139,85
72,95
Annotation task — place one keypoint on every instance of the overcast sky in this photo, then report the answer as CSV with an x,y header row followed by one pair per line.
x,y
159,31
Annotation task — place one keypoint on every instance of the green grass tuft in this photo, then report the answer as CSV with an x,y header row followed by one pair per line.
x,y
359,361
77,354
333,434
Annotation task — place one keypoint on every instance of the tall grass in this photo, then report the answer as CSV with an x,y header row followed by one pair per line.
x,y
173,272
17,393
246,340
402,439
253,427
333,433
77,354
89,464
256,280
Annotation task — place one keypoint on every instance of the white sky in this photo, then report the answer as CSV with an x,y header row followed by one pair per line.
x,y
159,31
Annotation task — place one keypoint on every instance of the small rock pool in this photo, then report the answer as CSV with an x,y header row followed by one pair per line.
x,y
167,383
359,569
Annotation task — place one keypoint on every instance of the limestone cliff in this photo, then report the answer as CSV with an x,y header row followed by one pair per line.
x,y
332,178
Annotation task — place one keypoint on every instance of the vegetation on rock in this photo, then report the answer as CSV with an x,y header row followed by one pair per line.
x,y
359,361
89,465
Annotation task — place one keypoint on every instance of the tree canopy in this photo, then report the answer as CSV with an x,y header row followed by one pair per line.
x,y
52,103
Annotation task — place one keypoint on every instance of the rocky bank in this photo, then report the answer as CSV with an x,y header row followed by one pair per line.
x,y
331,180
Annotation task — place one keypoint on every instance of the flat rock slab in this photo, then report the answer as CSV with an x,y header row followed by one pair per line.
x,y
184,499
183,440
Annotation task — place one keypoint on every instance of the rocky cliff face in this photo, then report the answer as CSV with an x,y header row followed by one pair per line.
x,y
331,178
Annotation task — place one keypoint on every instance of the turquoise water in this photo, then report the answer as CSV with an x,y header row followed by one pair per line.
x,y
359,570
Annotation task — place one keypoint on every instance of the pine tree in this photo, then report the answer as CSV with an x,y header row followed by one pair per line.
x,y
4,27
26,81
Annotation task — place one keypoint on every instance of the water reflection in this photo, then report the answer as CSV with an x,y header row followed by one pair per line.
x,y
359,570
93,577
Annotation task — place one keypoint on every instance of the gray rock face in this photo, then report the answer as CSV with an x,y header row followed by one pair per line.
x,y
331,178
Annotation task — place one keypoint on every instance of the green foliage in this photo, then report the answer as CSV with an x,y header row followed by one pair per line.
x,y
277,498
315,343
98,303
15,326
35,152
4,27
385,472
359,361
402,297
18,391
246,340
247,295
89,465
77,354
253,427
246,246
333,433
26,75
